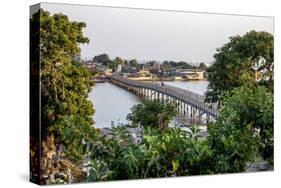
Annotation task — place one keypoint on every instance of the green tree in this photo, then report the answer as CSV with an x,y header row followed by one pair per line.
x,y
243,131
166,65
66,111
119,60
151,63
202,66
154,113
103,59
133,63
236,61
65,82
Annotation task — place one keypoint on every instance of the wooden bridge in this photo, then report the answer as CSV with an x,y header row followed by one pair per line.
x,y
190,104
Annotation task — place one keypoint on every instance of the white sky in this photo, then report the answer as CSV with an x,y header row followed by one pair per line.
x,y
157,35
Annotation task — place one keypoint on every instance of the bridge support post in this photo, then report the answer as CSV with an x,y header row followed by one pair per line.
x,y
145,92
194,112
208,118
200,116
191,111
183,109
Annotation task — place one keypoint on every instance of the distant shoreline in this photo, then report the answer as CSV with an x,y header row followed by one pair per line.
x,y
153,80
175,80
165,79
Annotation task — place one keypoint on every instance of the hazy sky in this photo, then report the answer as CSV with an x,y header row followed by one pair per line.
x,y
157,35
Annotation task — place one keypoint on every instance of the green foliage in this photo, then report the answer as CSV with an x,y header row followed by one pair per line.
x,y
103,59
98,171
134,63
119,60
167,65
66,108
243,131
202,66
172,152
233,65
154,113
73,131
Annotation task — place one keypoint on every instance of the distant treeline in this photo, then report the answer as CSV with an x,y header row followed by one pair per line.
x,y
105,60
182,65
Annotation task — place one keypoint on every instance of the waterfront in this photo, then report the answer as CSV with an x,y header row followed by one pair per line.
x,y
112,103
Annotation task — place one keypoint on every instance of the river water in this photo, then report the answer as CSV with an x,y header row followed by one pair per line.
x,y
112,104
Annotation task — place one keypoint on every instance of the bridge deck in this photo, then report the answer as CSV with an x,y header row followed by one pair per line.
x,y
189,97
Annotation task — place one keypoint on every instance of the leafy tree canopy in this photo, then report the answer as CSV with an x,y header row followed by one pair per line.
x,y
134,63
202,66
235,64
119,60
154,113
65,82
104,59
243,131
167,65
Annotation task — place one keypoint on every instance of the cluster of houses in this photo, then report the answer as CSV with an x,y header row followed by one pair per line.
x,y
146,72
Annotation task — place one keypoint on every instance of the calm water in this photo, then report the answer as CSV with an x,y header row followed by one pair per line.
x,y
113,103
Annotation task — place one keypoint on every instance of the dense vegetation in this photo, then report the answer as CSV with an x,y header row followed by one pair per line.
x,y
154,114
241,134
105,60
167,65
64,83
237,61
171,152
235,140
